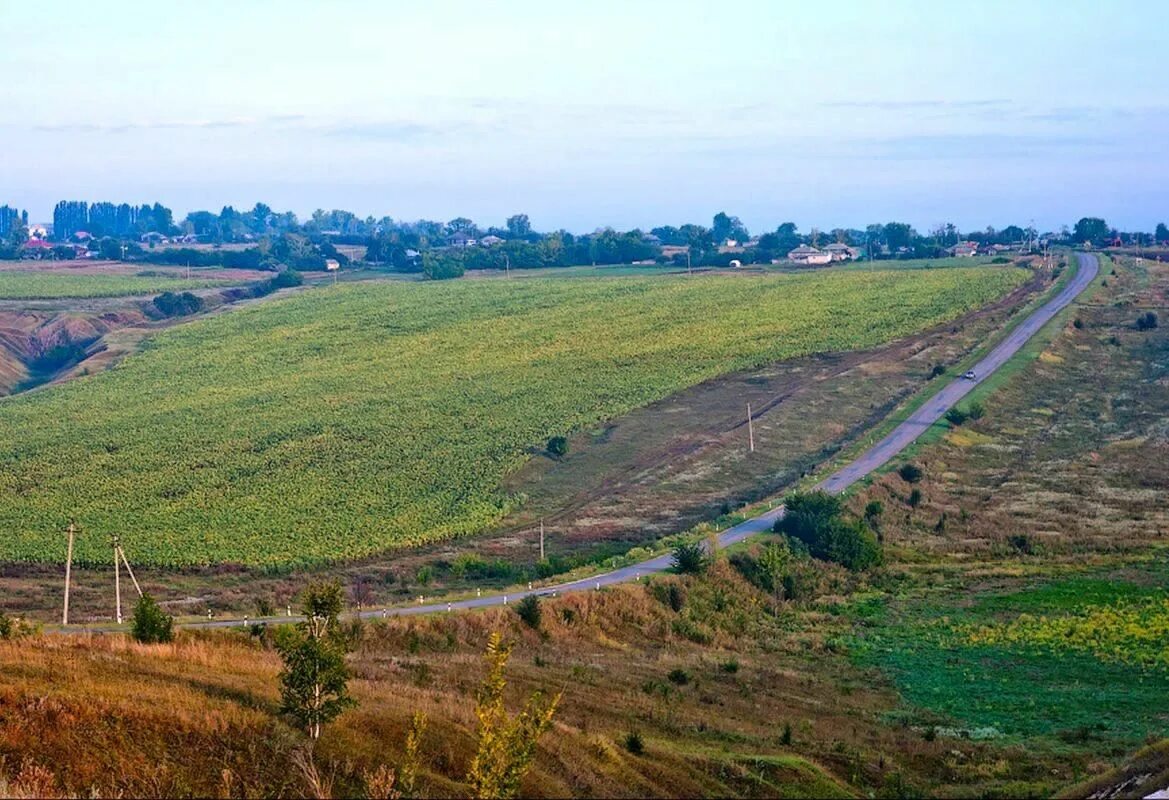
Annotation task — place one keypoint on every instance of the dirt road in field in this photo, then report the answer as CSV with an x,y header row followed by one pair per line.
x,y
873,458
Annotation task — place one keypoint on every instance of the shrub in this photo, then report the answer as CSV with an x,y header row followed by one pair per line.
x,y
528,610
976,410
183,304
873,511
816,519
1078,324
1021,542
669,594
15,628
557,446
1147,321
910,473
690,558
633,743
1000,260
692,631
937,371
786,738
730,666
58,357
956,416
915,498
286,279
151,625
678,677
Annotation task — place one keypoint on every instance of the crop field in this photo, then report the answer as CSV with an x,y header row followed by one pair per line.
x,y
45,285
349,420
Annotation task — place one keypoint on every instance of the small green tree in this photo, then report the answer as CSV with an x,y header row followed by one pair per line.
x,y
529,611
690,558
956,416
506,744
314,682
151,625
873,511
557,446
915,498
773,563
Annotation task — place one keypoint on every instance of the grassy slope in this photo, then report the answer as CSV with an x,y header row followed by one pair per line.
x,y
769,706
344,421
31,285
1020,604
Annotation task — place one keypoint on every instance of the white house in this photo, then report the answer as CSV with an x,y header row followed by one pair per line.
x,y
809,256
490,239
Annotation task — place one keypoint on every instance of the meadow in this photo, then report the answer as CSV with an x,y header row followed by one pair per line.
x,y
353,419
48,285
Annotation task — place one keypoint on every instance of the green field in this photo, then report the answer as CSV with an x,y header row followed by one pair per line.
x,y
1077,662
48,285
348,420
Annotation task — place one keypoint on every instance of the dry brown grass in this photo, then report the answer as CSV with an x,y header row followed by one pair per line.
x,y
199,716
1073,454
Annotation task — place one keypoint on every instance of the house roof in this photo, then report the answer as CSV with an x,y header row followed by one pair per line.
x,y
803,250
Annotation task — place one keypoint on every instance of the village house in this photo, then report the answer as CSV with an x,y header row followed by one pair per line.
x,y
964,250
809,256
490,240
841,252
460,239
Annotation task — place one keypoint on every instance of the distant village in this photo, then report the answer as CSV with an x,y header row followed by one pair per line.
x,y
263,238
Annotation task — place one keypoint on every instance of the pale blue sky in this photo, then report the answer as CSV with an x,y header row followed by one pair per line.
x,y
601,113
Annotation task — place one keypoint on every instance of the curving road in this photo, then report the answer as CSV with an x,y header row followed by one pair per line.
x,y
873,458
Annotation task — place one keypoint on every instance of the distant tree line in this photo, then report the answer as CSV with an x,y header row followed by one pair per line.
x,y
106,219
448,249
12,218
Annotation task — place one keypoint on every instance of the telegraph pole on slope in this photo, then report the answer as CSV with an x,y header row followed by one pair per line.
x,y
68,569
541,538
750,430
117,583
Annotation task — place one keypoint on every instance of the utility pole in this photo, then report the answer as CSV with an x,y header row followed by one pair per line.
x,y
689,270
541,538
117,583
68,569
750,430
507,264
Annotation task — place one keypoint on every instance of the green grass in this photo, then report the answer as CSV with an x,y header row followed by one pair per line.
x,y
1010,687
349,420
922,263
34,285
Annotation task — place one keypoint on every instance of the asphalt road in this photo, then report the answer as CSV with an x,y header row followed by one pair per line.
x,y
873,458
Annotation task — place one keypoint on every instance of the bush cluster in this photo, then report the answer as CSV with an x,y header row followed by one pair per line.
x,y
817,520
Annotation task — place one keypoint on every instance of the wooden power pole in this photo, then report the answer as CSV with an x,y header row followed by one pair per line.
x,y
68,569
541,538
117,583
750,430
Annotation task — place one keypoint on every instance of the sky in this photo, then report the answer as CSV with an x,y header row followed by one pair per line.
x,y
632,114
